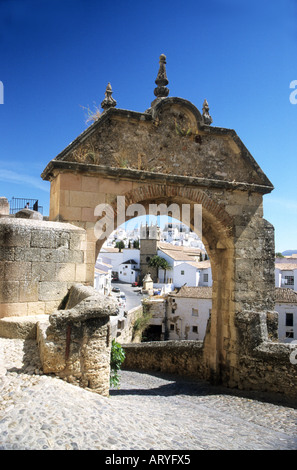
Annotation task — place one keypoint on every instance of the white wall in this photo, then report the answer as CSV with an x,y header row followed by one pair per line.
x,y
127,273
201,279
183,319
190,276
282,309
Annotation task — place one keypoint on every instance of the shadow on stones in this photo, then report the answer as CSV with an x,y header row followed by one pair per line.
x,y
30,360
187,386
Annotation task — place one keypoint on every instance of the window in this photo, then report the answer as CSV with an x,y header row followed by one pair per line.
x,y
182,273
289,280
205,277
289,319
289,334
194,312
195,329
171,327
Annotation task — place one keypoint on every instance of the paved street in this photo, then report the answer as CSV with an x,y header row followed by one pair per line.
x,y
133,298
150,411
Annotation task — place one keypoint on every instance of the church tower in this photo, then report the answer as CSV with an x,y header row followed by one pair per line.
x,y
149,238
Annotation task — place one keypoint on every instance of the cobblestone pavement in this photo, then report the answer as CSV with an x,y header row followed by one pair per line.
x,y
149,412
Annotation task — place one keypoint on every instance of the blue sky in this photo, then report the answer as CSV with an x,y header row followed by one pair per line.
x,y
57,56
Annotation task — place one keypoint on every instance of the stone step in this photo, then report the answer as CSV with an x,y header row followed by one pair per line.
x,y
20,327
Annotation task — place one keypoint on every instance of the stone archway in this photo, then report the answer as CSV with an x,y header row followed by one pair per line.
x,y
170,154
218,237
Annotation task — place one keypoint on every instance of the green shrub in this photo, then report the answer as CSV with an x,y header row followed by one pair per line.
x,y
117,358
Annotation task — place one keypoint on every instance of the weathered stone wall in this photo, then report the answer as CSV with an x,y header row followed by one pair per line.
x,y
264,363
122,329
39,260
177,357
75,343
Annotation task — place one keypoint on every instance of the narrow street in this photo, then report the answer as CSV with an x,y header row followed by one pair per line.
x,y
133,297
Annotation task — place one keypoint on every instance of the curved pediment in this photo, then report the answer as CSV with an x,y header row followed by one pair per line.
x,y
170,138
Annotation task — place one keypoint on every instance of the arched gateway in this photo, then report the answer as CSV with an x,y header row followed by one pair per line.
x,y
171,154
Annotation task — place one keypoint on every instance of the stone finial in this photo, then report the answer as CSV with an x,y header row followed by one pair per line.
x,y
207,119
108,101
161,81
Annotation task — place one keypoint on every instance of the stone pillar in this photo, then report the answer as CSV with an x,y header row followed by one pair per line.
x,y
75,344
4,206
39,260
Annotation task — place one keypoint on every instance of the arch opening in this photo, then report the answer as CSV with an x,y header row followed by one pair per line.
x,y
216,233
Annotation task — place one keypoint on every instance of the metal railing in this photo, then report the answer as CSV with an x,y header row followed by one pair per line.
x,y
18,203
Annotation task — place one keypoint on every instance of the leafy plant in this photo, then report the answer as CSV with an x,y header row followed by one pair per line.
x,y
117,358
120,245
143,321
160,263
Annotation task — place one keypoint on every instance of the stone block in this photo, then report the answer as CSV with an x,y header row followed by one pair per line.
x,y
27,254
70,181
70,213
44,271
17,270
51,291
20,327
9,291
36,308
13,309
4,206
28,291
28,214
6,253
66,272
13,234
43,239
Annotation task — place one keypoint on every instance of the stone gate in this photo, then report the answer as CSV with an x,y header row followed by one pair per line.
x,y
171,154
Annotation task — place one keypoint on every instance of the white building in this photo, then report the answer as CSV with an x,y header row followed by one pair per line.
x,y
116,258
286,274
188,312
186,267
286,306
102,276
128,271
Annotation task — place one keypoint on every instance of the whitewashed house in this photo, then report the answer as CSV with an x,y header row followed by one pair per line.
x,y
128,271
184,265
286,306
102,276
286,275
188,312
116,258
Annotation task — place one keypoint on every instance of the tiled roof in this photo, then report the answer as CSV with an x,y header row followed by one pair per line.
x,y
285,295
193,292
177,255
187,249
286,266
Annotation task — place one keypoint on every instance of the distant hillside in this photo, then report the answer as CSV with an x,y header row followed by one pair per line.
x,y
289,252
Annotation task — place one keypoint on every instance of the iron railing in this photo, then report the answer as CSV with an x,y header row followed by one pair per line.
x,y
18,203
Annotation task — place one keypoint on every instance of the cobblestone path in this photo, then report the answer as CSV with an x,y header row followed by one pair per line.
x,y
149,412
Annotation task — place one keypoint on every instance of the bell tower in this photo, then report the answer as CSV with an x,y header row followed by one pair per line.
x,y
149,238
